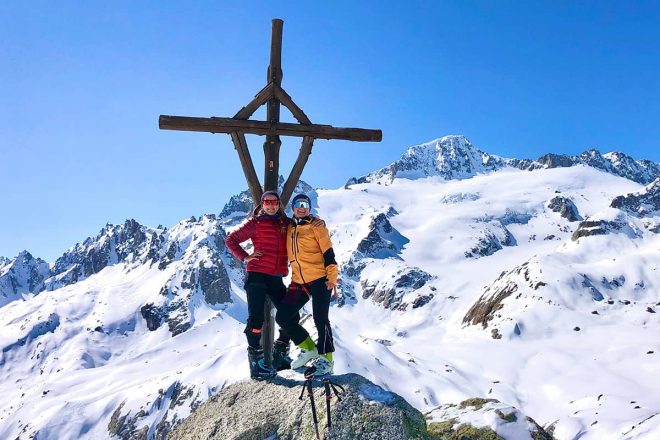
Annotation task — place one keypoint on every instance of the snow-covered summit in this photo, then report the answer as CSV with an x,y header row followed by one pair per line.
x,y
451,157
22,275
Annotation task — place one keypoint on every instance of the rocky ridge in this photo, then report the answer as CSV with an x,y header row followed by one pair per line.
x,y
201,267
264,410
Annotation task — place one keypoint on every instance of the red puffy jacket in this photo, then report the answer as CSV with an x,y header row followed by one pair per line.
x,y
268,234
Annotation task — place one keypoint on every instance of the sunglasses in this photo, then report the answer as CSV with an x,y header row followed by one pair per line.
x,y
270,202
301,204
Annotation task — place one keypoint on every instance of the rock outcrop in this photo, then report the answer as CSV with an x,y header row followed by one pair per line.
x,y
383,240
642,204
590,227
487,307
565,207
274,410
492,237
380,249
390,292
264,410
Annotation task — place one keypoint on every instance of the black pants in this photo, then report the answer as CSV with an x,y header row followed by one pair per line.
x,y
288,313
257,286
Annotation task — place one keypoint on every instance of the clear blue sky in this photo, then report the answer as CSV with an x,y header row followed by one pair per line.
x,y
82,84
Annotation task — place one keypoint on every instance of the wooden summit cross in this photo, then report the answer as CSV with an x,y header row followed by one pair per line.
x,y
272,95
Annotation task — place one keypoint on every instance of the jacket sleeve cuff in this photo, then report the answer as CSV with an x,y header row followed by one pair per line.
x,y
332,273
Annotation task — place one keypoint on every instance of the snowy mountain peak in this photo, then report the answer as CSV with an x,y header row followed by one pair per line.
x,y
22,275
451,157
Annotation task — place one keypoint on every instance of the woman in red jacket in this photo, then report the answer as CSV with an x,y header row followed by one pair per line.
x,y
266,266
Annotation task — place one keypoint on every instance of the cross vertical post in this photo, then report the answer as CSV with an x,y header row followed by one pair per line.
x,y
272,166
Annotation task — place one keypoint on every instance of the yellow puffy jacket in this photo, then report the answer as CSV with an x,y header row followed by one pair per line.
x,y
310,252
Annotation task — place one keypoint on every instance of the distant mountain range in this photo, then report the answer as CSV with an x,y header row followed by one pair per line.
x,y
454,157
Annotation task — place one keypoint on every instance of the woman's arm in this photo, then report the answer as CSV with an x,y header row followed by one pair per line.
x,y
331,268
243,233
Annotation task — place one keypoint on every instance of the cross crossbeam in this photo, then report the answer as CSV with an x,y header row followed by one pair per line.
x,y
230,125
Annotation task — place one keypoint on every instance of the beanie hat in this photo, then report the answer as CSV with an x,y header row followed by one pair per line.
x,y
301,197
270,193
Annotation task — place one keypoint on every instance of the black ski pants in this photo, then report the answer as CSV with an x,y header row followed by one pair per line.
x,y
257,286
288,313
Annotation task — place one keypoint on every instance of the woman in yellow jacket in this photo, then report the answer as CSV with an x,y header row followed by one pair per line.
x,y
314,276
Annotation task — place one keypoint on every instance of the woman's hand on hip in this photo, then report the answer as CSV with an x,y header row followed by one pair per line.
x,y
255,256
332,286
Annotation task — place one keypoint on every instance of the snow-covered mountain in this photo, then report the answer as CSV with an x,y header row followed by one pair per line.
x,y
22,275
455,157
464,276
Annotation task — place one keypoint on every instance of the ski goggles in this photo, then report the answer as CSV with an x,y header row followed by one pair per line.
x,y
270,202
301,204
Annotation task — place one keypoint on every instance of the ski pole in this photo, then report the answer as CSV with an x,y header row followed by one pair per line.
x,y
311,399
328,396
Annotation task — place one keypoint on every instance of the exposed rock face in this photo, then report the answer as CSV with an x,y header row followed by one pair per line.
x,y
565,207
556,160
492,300
494,237
261,410
642,204
382,245
197,247
24,274
153,315
237,208
390,292
598,227
383,240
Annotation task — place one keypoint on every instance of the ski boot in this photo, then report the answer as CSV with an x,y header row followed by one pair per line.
x,y
258,369
304,357
322,366
281,359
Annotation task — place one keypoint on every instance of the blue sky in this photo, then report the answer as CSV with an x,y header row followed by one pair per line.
x,y
82,85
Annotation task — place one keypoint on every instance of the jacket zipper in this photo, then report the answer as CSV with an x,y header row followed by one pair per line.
x,y
294,245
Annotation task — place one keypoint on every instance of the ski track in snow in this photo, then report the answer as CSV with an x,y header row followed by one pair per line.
x,y
63,379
